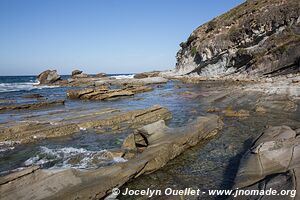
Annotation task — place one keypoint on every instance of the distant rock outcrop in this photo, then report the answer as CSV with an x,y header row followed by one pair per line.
x,y
257,38
147,74
101,75
48,77
76,71
79,74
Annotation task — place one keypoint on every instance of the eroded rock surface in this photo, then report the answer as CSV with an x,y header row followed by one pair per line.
x,y
95,184
272,162
103,93
48,77
109,120
32,105
257,38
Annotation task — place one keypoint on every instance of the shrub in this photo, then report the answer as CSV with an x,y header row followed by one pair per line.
x,y
194,51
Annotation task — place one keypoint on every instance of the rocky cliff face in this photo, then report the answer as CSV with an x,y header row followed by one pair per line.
x,y
259,37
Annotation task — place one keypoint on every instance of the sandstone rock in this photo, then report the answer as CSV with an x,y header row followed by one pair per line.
x,y
103,93
146,74
108,120
81,75
31,106
134,118
96,184
48,77
129,143
232,113
260,109
33,96
275,152
212,109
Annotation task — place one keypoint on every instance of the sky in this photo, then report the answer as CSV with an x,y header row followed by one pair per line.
x,y
111,36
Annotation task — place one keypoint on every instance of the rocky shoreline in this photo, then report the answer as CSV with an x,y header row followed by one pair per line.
x,y
223,101
227,117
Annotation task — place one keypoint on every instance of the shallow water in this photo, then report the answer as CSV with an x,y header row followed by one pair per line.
x,y
183,108
209,165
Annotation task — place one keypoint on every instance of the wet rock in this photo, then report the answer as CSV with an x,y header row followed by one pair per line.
x,y
278,103
133,119
33,96
14,176
96,184
30,132
213,109
189,94
31,106
229,112
7,101
104,121
48,77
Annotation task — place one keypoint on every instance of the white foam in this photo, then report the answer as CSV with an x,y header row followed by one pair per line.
x,y
123,76
9,87
7,145
70,157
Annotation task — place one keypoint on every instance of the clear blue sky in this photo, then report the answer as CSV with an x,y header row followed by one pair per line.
x,y
112,36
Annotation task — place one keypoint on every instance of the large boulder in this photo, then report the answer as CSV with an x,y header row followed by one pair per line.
x,y
273,161
48,77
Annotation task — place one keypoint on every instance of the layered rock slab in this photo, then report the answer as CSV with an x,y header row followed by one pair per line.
x,y
38,105
256,38
103,93
105,122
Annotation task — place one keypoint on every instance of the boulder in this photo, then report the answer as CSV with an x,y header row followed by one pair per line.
x,y
48,77
76,71
273,161
100,75
81,75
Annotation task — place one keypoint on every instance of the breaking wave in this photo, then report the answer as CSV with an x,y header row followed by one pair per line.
x,y
70,157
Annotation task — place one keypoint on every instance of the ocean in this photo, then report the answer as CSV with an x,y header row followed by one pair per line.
x,y
27,83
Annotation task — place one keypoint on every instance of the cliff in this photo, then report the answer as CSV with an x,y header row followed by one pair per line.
x,y
257,38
